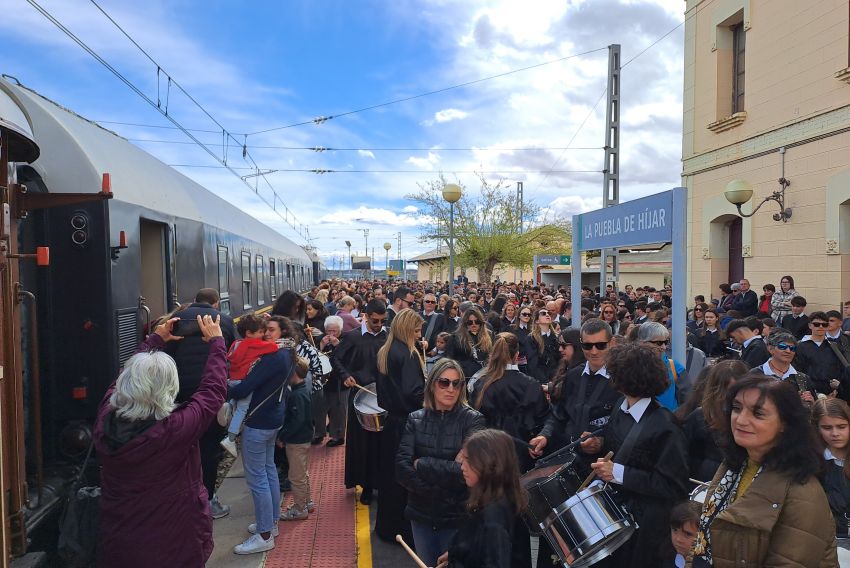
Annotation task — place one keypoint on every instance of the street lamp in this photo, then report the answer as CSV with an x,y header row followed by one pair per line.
x,y
739,191
348,244
452,193
387,247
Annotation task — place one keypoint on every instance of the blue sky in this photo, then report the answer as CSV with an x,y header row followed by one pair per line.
x,y
260,65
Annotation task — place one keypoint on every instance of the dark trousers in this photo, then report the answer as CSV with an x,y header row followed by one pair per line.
x,y
211,452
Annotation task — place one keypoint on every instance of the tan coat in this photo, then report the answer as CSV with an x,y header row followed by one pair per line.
x,y
776,523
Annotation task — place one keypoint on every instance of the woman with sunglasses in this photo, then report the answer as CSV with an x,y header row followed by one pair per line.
x,y
656,336
697,319
450,313
782,347
545,343
471,342
425,463
608,314
401,386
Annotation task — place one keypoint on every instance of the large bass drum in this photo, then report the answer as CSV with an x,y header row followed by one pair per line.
x,y
582,527
369,414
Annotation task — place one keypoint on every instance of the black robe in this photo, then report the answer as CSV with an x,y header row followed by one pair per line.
x,y
470,362
484,540
654,480
400,392
357,356
547,359
755,353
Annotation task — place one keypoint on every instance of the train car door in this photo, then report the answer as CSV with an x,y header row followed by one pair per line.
x,y
154,269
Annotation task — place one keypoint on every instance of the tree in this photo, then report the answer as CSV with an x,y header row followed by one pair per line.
x,y
487,226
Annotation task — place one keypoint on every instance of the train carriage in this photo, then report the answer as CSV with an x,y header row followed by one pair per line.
x,y
117,264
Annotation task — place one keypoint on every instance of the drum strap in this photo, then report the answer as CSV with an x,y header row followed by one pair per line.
x,y
625,451
432,321
582,407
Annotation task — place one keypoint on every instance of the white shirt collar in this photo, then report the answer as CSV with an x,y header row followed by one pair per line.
x,y
512,367
364,329
836,336
750,340
603,371
768,370
827,455
637,410
812,339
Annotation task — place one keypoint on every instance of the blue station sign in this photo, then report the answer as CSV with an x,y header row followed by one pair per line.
x,y
643,221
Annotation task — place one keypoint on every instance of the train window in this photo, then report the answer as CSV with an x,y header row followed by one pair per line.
x,y
261,280
224,279
246,280
272,279
280,285
289,276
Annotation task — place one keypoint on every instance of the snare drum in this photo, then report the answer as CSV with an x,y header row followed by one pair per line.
x,y
699,494
327,368
369,414
582,527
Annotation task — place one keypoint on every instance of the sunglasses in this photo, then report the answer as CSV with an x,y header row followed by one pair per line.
x,y
473,322
697,309
542,313
562,344
600,345
444,383
430,301
526,314
786,347
660,342
608,312
818,324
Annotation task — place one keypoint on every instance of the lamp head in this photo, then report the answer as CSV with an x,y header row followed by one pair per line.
x,y
738,192
452,192
348,244
387,246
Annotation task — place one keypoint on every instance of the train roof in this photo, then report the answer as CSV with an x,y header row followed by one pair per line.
x,y
75,152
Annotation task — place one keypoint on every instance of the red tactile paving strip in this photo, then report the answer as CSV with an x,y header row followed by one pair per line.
x,y
326,539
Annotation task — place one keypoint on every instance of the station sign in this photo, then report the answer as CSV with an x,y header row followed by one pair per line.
x,y
563,260
647,220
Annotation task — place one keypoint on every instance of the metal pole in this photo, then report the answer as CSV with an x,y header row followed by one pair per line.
x,y
611,171
451,247
680,273
575,277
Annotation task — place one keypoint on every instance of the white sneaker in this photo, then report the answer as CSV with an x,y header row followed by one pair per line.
x,y
229,445
254,543
294,513
252,528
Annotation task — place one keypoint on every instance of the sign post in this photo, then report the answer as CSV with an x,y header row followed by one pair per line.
x,y
656,219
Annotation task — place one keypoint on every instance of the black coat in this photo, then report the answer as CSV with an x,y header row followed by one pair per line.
x,y
436,491
821,364
438,327
755,354
799,326
514,404
704,454
547,360
747,303
655,478
190,353
712,344
357,356
484,539
470,362
837,489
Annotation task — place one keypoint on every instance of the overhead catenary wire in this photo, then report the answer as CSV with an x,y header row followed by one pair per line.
x,y
323,119
354,171
301,229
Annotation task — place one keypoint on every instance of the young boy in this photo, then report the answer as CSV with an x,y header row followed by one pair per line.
x,y
296,434
797,322
243,354
684,523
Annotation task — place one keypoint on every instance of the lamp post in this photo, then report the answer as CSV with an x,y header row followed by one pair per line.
x,y
387,247
348,244
739,191
452,193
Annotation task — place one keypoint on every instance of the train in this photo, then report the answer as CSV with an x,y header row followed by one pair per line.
x,y
129,238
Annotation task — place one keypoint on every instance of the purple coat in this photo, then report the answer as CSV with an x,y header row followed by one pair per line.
x,y
154,509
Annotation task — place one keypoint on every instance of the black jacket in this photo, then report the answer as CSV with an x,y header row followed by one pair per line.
x,y
190,353
436,491
837,489
799,326
573,413
298,423
713,344
747,303
470,362
438,327
484,539
821,364
547,361
755,354
704,455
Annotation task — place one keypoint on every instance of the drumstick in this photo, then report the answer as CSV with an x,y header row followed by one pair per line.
x,y
590,477
698,482
365,389
410,552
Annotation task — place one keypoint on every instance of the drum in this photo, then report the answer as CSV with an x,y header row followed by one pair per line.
x,y
326,364
699,494
369,414
582,527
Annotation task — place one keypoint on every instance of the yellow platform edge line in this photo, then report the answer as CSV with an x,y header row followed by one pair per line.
x,y
362,532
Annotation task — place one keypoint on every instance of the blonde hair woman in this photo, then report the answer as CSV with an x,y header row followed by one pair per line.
x,y
471,342
401,388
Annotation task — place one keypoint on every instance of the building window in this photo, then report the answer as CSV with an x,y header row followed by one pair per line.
x,y
246,280
260,263
224,279
739,45
272,279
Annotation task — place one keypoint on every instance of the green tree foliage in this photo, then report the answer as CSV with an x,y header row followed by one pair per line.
x,y
487,226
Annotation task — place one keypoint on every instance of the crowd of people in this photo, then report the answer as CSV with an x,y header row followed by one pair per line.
x,y
734,456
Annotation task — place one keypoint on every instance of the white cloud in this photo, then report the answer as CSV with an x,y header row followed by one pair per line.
x,y
410,209
449,114
424,163
373,216
366,154
567,206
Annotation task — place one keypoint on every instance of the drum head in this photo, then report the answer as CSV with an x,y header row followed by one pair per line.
x,y
367,402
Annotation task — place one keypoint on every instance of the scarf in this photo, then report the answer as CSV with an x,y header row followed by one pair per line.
x,y
716,502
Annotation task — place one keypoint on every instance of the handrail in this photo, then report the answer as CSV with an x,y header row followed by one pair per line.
x,y
35,388
142,306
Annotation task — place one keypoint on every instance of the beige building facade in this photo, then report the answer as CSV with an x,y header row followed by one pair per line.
x,y
767,95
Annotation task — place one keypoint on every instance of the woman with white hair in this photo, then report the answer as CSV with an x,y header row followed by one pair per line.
x,y
657,336
154,509
336,393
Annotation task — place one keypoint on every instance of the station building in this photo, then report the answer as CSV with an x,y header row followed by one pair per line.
x,y
767,96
